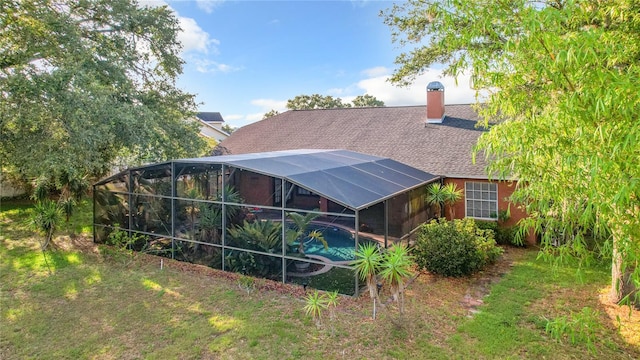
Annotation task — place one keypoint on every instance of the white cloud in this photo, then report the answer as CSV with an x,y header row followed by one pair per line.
x,y
415,94
210,66
208,5
153,3
253,118
376,71
193,38
270,104
233,117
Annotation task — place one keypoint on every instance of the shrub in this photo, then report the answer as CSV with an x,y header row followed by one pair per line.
x,y
507,236
504,235
455,248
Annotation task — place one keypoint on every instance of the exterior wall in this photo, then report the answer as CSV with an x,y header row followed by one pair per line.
x,y
255,189
211,132
309,202
8,190
505,189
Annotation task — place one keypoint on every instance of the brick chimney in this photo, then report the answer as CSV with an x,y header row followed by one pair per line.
x,y
435,102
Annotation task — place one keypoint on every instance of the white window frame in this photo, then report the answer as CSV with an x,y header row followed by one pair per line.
x,y
481,198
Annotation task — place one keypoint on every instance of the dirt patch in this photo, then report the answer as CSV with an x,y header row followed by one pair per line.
x,y
80,243
481,282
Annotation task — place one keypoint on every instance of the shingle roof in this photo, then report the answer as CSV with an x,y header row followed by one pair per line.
x,y
210,116
399,133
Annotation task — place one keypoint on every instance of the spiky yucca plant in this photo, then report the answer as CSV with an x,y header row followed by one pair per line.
x,y
367,265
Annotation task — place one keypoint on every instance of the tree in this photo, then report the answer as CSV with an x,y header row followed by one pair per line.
x,y
46,218
436,197
451,196
83,83
367,265
299,231
228,128
367,100
271,113
315,101
395,269
562,80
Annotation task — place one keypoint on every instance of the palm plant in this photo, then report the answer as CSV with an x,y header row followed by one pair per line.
x,y
315,304
265,236
259,235
436,197
439,195
451,196
367,265
299,231
211,214
332,303
231,196
395,268
45,219
210,222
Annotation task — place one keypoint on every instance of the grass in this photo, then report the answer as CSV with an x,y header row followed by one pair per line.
x,y
95,305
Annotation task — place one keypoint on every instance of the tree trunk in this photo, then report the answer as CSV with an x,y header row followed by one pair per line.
x,y
617,278
374,309
621,282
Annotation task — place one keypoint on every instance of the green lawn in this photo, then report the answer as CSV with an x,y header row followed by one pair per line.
x,y
100,306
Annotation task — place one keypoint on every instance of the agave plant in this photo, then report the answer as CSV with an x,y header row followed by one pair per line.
x,y
367,265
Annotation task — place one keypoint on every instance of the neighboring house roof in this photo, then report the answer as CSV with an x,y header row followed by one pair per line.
x,y
399,133
211,131
210,116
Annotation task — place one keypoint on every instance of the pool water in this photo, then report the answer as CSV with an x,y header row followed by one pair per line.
x,y
341,244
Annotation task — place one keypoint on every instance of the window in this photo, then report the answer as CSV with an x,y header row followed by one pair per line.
x,y
481,200
277,191
302,191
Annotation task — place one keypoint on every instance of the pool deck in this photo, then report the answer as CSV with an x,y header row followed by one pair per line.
x,y
328,265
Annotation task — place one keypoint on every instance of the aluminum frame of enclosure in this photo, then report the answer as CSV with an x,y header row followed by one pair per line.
x,y
191,210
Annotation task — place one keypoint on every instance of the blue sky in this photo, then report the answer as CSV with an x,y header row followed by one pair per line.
x,y
244,58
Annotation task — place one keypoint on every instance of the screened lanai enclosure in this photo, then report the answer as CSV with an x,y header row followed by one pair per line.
x,y
291,216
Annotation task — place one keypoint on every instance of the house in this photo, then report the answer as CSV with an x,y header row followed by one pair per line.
x,y
435,138
211,125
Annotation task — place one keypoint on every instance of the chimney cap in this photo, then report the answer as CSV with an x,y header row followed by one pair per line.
x,y
435,86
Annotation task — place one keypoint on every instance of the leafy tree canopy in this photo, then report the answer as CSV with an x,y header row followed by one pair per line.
x,y
228,128
271,113
317,101
83,83
367,100
563,79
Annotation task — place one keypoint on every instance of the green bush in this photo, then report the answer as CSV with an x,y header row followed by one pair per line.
x,y
504,235
507,236
455,248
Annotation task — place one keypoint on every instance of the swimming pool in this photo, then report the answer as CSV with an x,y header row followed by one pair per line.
x,y
341,243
